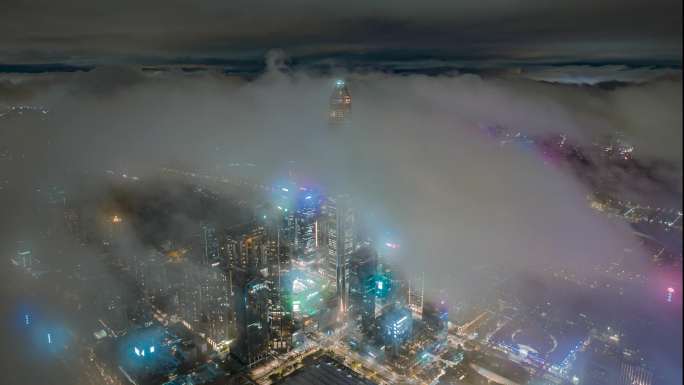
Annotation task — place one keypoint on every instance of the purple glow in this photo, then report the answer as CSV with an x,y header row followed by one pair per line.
x,y
392,245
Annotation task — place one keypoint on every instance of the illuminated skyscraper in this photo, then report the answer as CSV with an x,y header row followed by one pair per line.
x,y
211,246
340,222
362,270
340,104
251,310
306,230
248,251
397,326
279,257
416,289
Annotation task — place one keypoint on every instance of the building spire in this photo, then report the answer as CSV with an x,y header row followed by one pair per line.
x,y
340,104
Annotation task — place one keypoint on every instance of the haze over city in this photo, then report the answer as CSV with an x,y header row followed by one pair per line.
x,y
319,193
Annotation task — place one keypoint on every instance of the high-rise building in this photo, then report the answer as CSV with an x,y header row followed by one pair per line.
x,y
397,326
232,252
217,304
436,316
306,232
635,375
251,311
415,295
190,293
211,246
340,234
24,256
248,251
340,104
281,327
362,269
279,263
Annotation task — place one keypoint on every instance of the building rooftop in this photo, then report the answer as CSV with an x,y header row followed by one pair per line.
x,y
325,371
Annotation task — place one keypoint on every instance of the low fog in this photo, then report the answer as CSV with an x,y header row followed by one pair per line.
x,y
414,153
414,156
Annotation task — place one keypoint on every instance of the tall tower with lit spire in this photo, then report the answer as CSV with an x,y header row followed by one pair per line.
x,y
340,104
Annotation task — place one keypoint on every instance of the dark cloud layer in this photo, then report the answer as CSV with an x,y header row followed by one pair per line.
x,y
85,31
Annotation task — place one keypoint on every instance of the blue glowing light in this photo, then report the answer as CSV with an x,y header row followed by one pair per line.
x,y
308,197
27,319
49,338
284,189
382,285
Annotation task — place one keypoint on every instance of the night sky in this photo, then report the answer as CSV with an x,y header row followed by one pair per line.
x,y
86,32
